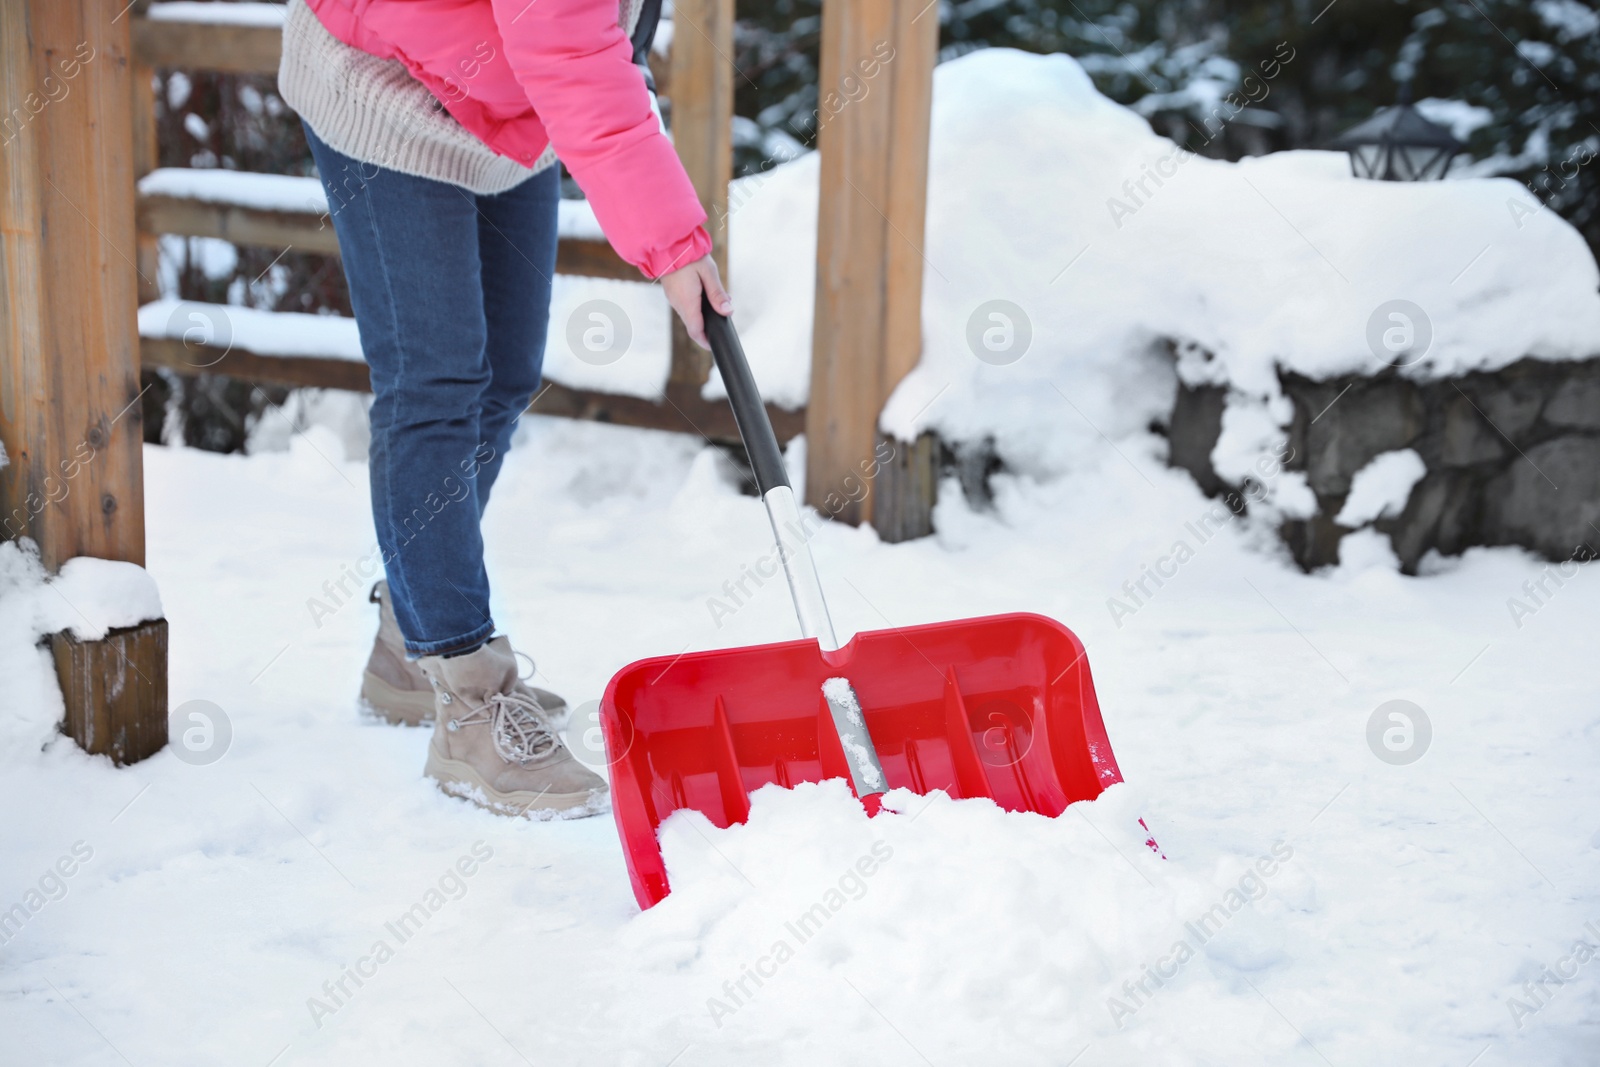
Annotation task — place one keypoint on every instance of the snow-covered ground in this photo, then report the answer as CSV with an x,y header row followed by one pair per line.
x,y
1347,881
1400,906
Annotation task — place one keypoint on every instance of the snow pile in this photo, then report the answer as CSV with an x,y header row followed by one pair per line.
x,y
87,597
1381,488
91,597
980,935
1318,894
1238,696
1102,238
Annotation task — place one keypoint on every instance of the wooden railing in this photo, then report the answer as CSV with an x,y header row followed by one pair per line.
x,y
215,46
69,369
706,100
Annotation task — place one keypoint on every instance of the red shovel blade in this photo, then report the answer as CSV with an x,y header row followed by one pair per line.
x,y
1000,707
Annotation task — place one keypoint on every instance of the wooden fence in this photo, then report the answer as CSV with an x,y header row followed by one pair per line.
x,y
704,102
78,253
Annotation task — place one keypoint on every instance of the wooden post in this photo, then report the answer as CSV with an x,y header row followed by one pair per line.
x,y
146,157
702,129
69,359
875,89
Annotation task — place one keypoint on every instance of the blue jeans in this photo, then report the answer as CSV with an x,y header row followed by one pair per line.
x,y
451,292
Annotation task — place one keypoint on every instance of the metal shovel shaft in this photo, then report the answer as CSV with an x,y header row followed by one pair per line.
x,y
799,569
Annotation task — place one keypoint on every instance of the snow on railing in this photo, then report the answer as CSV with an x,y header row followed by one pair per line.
x,y
286,193
219,328
240,14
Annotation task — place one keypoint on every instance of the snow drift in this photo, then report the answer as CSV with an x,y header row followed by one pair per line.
x,y
812,908
87,598
1315,896
1110,241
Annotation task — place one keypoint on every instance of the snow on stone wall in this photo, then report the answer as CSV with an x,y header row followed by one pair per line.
x,y
1071,252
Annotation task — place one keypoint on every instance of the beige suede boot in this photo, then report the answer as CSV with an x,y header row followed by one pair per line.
x,y
492,746
394,689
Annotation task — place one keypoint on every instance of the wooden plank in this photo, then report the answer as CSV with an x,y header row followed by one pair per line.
x,y
69,365
167,43
112,690
308,231
876,92
661,70
146,155
69,382
702,131
23,374
906,487
593,259
702,108
170,43
305,372
681,409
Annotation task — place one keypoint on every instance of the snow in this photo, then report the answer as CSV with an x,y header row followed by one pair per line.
x,y
216,258
841,695
812,896
178,89
635,317
1462,118
218,900
774,295
197,127
575,219
266,333
1381,488
88,597
637,368
1571,17
1276,262
308,898
283,192
1035,199
98,595
839,691
233,14
214,185
1104,240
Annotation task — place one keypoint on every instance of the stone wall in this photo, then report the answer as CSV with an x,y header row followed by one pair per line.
x,y
1512,456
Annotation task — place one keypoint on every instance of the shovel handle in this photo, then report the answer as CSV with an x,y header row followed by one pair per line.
x,y
790,531
789,528
755,429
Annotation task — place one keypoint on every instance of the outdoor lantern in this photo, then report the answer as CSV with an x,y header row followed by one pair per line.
x,y
1399,145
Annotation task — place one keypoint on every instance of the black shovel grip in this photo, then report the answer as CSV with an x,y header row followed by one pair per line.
x,y
755,429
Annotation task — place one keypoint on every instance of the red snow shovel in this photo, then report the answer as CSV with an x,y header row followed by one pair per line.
x,y
1000,707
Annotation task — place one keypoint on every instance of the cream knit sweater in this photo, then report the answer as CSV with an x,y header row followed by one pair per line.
x,y
373,110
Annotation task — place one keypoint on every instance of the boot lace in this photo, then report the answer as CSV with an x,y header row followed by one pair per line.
x,y
516,727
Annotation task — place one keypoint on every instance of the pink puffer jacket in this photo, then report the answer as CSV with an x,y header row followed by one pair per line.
x,y
521,74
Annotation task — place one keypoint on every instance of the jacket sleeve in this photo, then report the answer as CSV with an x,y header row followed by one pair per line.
x,y
576,66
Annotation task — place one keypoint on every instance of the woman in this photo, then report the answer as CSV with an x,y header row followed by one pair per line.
x,y
435,125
